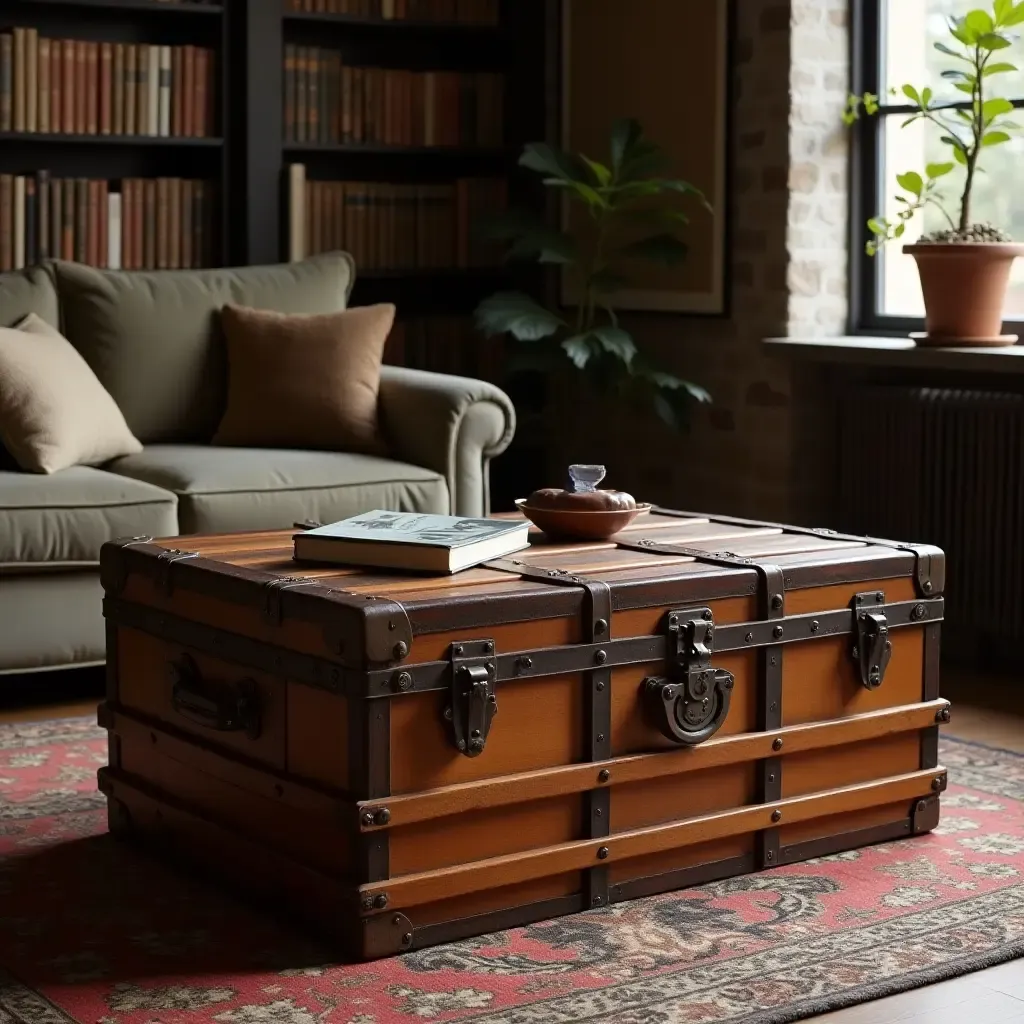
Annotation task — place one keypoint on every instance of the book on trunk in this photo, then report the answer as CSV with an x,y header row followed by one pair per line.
x,y
412,541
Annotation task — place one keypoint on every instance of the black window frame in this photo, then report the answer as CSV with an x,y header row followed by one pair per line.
x,y
866,183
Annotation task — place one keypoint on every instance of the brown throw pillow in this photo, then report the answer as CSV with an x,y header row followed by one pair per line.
x,y
304,381
54,413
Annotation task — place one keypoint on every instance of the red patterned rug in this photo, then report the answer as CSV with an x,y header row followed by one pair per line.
x,y
92,932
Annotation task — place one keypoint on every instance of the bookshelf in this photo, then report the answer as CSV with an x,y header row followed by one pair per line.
x,y
112,111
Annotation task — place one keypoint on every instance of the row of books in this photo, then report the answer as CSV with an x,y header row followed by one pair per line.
x,y
327,101
446,344
83,87
387,226
472,12
134,224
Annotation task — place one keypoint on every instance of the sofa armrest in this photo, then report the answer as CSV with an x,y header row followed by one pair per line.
x,y
452,425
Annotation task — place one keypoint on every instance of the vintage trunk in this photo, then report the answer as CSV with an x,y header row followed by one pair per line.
x,y
404,761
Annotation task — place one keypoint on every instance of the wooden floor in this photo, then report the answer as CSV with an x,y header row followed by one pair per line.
x,y
985,708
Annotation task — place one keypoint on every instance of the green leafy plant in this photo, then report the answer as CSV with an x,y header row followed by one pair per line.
x,y
977,37
633,217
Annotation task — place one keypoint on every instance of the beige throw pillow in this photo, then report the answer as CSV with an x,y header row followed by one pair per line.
x,y
304,381
54,413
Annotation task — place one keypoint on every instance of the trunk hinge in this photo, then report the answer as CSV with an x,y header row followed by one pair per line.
x,y
472,702
872,647
691,705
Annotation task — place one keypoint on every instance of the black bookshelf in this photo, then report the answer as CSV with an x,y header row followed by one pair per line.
x,y
116,157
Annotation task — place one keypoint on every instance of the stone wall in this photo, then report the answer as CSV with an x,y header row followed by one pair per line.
x,y
762,449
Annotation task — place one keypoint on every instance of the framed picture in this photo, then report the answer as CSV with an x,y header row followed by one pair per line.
x,y
665,63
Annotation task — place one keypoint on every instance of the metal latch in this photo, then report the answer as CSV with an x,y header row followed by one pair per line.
x,y
472,703
690,705
872,648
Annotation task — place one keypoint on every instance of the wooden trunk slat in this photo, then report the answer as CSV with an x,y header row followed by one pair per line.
x,y
311,735
430,886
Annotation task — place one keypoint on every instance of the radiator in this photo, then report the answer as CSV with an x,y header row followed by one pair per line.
x,y
944,466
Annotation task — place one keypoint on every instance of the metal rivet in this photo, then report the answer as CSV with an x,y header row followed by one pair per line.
x,y
855,651
777,743
773,706
380,901
391,626
597,901
457,650
600,626
773,660
382,817
488,647
921,807
368,818
598,813
461,744
927,586
407,939
601,657
937,784
599,686
879,597
776,601
448,714
603,775
942,715
397,919
777,632
919,611
403,681
749,638
523,663
769,855
600,737
771,778
401,649
815,625
776,815
367,903
673,620
475,733
708,614
602,853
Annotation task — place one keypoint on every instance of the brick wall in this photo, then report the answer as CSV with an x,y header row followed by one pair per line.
x,y
761,449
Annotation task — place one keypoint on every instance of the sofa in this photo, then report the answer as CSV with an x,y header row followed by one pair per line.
x,y
154,342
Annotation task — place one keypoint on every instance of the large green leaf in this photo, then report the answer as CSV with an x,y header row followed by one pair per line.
x,y
959,31
601,174
626,134
992,108
975,24
661,248
938,170
1001,8
615,341
578,349
950,52
546,245
912,94
581,190
1000,67
993,41
516,314
555,163
1016,16
994,138
910,181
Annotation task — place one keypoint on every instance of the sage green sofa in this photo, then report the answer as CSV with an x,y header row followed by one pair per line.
x,y
153,340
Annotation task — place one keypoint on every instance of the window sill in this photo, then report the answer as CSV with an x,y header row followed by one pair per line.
x,y
898,353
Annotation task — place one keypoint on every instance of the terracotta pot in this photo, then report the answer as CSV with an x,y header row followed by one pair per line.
x,y
964,287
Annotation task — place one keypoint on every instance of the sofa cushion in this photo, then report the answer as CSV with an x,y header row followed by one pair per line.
x,y
154,338
63,518
54,413
28,291
225,489
304,381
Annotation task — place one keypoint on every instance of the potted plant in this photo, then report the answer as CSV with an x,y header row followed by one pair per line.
x,y
633,217
965,267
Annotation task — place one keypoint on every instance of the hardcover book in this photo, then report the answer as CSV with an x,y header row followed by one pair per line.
x,y
412,541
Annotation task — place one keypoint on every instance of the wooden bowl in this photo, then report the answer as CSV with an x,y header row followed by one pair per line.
x,y
572,524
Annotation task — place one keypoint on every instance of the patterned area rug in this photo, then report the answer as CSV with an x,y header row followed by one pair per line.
x,y
92,932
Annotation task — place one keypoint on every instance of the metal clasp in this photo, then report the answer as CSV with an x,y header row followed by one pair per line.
x,y
472,701
691,705
872,648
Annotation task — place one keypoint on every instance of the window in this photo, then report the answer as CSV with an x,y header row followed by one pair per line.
x,y
894,43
